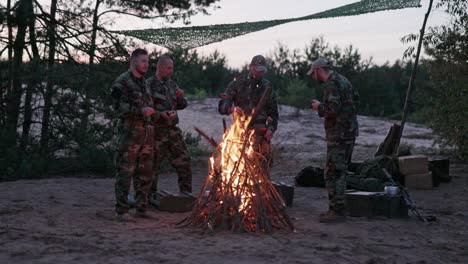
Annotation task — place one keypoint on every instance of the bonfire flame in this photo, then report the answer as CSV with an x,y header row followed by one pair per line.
x,y
240,194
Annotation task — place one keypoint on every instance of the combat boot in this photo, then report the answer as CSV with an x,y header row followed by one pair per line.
x,y
125,217
153,199
141,214
331,217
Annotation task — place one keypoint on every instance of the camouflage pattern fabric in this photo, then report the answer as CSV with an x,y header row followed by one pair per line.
x,y
134,151
370,177
338,155
245,92
164,98
197,36
134,159
169,144
263,147
168,139
367,177
339,108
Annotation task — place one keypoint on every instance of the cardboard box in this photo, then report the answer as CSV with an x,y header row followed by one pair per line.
x,y
416,164
422,181
286,191
173,202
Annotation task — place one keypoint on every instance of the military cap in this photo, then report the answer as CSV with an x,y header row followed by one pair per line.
x,y
259,62
319,63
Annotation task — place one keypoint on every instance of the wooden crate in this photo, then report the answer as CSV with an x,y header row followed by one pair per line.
x,y
286,191
422,181
373,204
440,168
173,202
416,164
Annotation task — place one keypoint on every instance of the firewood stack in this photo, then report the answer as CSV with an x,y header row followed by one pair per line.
x,y
238,194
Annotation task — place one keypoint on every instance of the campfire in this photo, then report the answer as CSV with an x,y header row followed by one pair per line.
x,y
238,194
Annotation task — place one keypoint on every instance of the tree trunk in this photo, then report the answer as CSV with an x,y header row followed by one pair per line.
x,y
92,47
91,54
10,39
6,91
27,111
33,80
49,86
23,15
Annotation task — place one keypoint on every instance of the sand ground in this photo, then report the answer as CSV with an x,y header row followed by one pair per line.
x,y
70,220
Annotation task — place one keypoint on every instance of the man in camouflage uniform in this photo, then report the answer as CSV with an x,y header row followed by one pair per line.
x,y
245,93
339,109
134,153
168,139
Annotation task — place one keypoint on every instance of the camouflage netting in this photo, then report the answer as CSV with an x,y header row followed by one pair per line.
x,y
197,36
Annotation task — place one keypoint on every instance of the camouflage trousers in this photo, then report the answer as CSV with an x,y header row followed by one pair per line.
x,y
338,157
169,144
263,147
134,159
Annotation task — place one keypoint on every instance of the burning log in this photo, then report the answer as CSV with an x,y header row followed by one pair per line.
x,y
224,126
260,105
208,138
240,196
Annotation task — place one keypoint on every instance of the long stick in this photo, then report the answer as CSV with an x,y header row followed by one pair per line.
x,y
210,139
224,125
260,105
411,82
409,202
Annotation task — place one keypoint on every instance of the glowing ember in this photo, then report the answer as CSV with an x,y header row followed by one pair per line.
x,y
241,196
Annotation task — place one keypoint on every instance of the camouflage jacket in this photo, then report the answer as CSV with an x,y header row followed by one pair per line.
x,y
164,98
130,95
245,92
339,108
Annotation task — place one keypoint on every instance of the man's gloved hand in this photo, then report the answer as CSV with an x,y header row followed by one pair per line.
x,y
224,105
235,109
223,96
268,135
315,104
179,93
169,115
172,113
148,111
